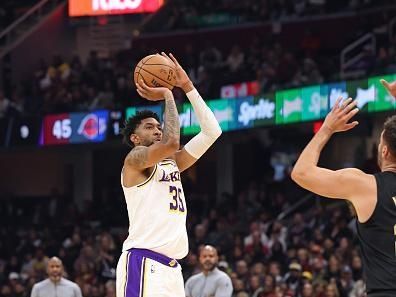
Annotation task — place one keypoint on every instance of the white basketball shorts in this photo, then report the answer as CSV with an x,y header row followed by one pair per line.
x,y
144,273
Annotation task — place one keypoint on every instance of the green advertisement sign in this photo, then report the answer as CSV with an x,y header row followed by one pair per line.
x,y
286,106
289,106
131,111
315,102
382,101
223,110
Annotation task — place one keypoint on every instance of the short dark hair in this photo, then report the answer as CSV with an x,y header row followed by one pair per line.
x,y
133,122
390,134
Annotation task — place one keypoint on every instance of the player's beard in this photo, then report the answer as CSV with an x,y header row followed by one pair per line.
x,y
150,142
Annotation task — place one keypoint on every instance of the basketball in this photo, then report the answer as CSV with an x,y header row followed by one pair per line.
x,y
156,71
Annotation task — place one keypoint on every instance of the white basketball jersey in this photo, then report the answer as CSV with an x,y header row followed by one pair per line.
x,y
157,212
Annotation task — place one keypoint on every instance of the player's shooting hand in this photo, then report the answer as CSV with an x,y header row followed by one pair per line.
x,y
182,78
338,118
152,94
390,87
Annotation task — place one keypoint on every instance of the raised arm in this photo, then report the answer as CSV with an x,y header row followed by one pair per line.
x,y
210,128
390,87
348,183
142,157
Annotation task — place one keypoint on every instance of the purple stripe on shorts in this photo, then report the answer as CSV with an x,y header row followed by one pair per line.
x,y
155,256
134,275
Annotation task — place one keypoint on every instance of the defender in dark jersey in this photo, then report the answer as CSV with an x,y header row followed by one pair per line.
x,y
373,196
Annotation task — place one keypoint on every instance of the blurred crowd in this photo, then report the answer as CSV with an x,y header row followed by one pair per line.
x,y
197,13
73,85
268,247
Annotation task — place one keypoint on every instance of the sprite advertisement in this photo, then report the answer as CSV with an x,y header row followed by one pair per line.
x,y
285,106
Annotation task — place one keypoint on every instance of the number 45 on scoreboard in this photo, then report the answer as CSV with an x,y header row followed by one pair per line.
x,y
57,129
62,129
75,127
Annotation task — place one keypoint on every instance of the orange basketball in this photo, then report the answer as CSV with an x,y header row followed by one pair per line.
x,y
156,71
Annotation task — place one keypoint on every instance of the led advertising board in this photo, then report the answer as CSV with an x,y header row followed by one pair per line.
x,y
110,7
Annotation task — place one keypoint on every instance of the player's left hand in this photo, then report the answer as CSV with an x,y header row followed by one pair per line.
x,y
341,113
182,78
390,87
152,94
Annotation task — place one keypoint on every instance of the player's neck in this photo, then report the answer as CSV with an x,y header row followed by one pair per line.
x,y
389,167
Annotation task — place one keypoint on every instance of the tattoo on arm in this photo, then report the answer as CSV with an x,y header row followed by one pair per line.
x,y
138,156
172,125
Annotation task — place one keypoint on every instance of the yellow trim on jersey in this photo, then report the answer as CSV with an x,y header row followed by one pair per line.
x,y
149,178
169,160
167,163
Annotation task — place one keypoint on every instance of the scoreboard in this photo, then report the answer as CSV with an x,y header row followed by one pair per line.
x,y
59,129
116,122
77,127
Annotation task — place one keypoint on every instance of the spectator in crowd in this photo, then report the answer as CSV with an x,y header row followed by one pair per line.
x,y
211,281
307,290
293,278
210,57
235,60
55,284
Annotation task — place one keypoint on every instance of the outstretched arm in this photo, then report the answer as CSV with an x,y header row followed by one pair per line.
x,y
210,128
344,183
390,87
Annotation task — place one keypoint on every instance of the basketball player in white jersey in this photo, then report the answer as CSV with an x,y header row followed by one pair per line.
x,y
154,194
